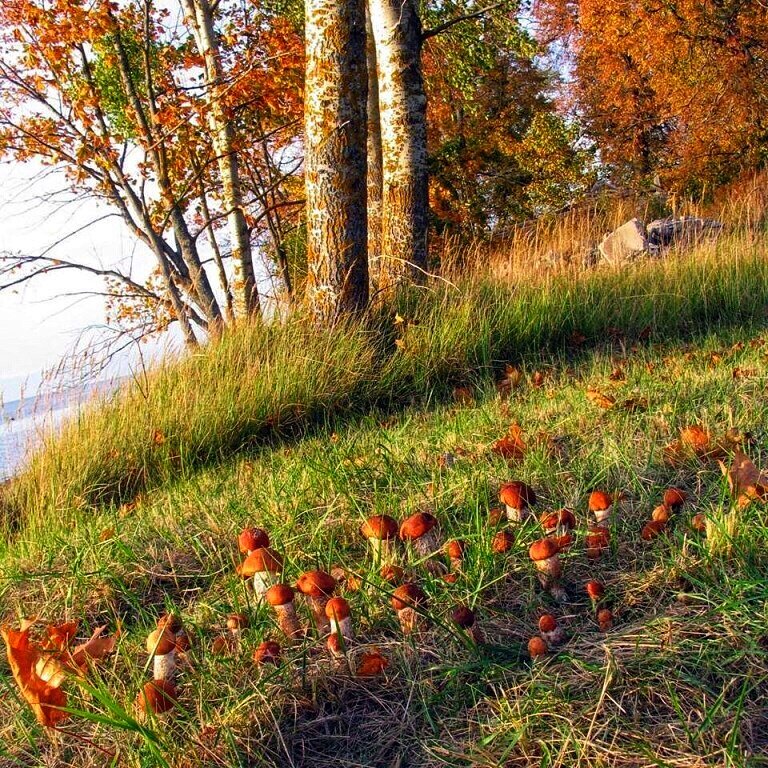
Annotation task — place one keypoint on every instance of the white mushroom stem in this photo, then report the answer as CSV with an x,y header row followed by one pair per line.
x,y
515,515
409,620
317,605
342,627
263,580
164,666
287,620
456,563
602,516
427,543
383,550
549,567
555,637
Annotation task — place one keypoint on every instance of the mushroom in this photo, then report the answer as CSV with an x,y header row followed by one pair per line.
x,y
537,646
421,530
551,632
392,574
337,612
161,646
661,514
337,650
674,498
600,505
158,697
544,554
381,532
405,600
317,587
605,619
517,497
455,550
595,590
465,618
236,622
280,597
561,521
699,523
173,623
597,540
265,566
495,515
268,652
652,530
251,539
502,542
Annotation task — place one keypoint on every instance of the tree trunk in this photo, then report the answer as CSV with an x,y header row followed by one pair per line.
x,y
374,158
335,164
403,103
201,18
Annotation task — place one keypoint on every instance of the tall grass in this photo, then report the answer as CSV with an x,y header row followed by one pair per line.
x,y
262,382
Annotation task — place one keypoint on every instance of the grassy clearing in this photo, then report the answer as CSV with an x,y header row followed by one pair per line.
x,y
681,679
264,383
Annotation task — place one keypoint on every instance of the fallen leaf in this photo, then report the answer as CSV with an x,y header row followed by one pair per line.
x,y
600,400
746,481
96,648
537,379
617,374
371,664
511,447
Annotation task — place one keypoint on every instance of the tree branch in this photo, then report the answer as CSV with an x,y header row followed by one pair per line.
x,y
427,33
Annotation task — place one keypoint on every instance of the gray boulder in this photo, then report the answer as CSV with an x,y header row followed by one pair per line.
x,y
626,243
665,233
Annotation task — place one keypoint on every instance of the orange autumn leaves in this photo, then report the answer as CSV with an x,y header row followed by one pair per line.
x,y
41,668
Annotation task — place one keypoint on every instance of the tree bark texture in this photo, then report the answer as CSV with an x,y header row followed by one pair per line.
x,y
335,164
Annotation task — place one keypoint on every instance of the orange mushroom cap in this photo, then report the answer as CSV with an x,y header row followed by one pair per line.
x,y
595,589
261,560
674,498
415,526
251,539
463,616
394,574
653,529
543,549
316,584
455,549
379,527
170,621
279,594
160,641
605,617
661,513
597,538
547,623
237,621
157,696
699,522
502,542
337,608
563,517
517,495
537,647
599,501
408,596
267,653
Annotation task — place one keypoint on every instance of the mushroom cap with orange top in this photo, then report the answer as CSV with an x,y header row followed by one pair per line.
x,y
267,653
160,642
563,518
261,560
408,596
463,616
537,647
674,498
316,584
337,608
599,501
653,529
415,526
157,696
170,621
237,621
662,513
502,542
455,549
252,538
279,594
598,537
394,574
379,527
547,623
543,549
595,589
517,495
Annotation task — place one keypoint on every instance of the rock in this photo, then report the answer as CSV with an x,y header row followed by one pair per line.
x,y
625,243
685,232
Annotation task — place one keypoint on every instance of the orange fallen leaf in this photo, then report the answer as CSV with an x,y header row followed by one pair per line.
x,y
746,481
96,648
511,447
600,400
371,664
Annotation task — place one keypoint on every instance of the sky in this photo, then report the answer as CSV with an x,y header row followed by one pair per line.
x,y
38,326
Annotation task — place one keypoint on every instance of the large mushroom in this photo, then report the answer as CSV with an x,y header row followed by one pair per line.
x,y
600,505
161,646
381,532
406,600
545,556
251,539
264,566
157,697
422,531
280,597
338,614
317,587
561,522
517,498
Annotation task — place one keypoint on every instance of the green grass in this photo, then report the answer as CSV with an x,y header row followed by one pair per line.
x,y
681,679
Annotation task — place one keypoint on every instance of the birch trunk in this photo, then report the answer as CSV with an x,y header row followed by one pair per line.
x,y
403,104
374,157
335,164
200,15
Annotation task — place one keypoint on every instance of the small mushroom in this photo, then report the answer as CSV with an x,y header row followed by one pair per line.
x,y
173,622
551,632
562,521
337,613
317,587
236,622
595,590
502,542
264,565
652,530
455,550
337,650
381,532
605,619
537,647
661,514
268,652
699,523
600,505
406,599
157,697
496,515
161,646
597,540
392,574
517,498
281,598
422,531
251,539
465,618
674,498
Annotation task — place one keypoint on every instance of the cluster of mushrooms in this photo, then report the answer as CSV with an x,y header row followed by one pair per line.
x,y
417,540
